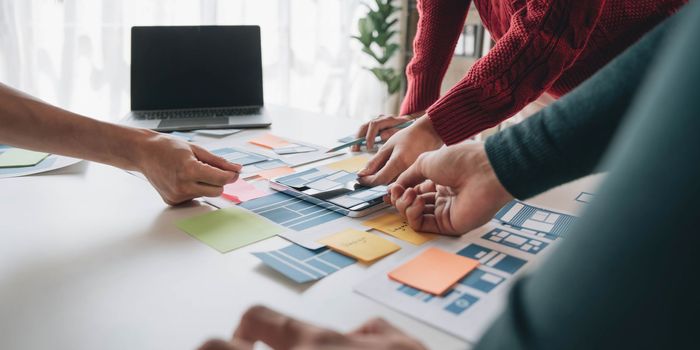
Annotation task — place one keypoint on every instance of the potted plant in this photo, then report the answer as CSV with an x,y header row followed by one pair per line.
x,y
375,32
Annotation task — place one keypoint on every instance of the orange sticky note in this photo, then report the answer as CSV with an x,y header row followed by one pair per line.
x,y
269,141
434,271
273,173
241,191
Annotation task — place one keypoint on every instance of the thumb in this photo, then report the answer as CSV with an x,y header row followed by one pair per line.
x,y
421,170
376,163
214,160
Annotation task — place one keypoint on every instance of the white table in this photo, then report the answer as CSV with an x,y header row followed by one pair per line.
x,y
90,259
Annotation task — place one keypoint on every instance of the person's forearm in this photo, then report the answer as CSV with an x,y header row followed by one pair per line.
x,y
439,24
625,277
29,123
566,140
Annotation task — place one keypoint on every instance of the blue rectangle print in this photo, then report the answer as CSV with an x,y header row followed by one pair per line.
x,y
481,280
303,265
493,258
516,241
459,305
290,212
534,218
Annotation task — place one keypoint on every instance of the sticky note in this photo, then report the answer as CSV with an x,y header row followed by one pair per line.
x,y
394,225
269,141
273,173
241,191
352,164
17,157
434,271
230,228
360,245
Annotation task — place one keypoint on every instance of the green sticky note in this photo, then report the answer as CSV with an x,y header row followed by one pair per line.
x,y
17,157
230,228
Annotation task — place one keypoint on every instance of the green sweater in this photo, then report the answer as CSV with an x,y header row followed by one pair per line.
x,y
566,140
626,277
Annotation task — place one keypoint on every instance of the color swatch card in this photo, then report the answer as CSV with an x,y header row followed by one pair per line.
x,y
360,245
230,228
17,157
273,173
241,191
393,224
303,265
434,271
270,141
352,164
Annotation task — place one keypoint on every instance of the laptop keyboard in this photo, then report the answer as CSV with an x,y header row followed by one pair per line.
x,y
198,113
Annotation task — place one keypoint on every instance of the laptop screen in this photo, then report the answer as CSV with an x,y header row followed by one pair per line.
x,y
195,67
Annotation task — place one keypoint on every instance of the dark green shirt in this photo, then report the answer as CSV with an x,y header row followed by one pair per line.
x,y
627,275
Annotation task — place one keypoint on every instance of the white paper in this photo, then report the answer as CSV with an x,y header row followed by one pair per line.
x,y
466,311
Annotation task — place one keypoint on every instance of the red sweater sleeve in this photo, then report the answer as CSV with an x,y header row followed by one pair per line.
x,y
439,25
544,38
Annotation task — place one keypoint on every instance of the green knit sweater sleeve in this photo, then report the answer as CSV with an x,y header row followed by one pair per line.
x,y
566,140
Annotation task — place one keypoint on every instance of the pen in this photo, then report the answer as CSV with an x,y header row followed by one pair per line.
x,y
362,139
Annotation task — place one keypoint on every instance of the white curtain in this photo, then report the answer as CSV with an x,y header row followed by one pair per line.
x,y
75,53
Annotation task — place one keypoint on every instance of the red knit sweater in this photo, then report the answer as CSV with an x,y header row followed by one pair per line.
x,y
541,45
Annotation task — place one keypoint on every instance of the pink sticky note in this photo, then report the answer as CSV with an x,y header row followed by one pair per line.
x,y
241,191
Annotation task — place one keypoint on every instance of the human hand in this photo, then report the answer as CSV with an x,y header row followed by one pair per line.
x,y
384,126
181,171
400,152
449,191
281,332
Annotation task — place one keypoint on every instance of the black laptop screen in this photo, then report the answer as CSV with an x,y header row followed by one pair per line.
x,y
195,67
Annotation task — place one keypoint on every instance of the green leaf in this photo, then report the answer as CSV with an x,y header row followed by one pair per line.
x,y
369,51
394,84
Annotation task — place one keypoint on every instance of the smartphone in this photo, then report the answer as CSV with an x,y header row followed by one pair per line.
x,y
337,190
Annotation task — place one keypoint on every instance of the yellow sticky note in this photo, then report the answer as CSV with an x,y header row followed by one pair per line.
x,y
352,164
434,270
394,225
360,245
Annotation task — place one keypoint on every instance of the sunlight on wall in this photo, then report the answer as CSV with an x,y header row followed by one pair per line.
x,y
75,53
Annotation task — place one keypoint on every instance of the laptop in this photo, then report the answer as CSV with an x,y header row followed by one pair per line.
x,y
196,77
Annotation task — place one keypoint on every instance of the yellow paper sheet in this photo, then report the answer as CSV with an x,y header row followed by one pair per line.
x,y
360,245
394,225
352,164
